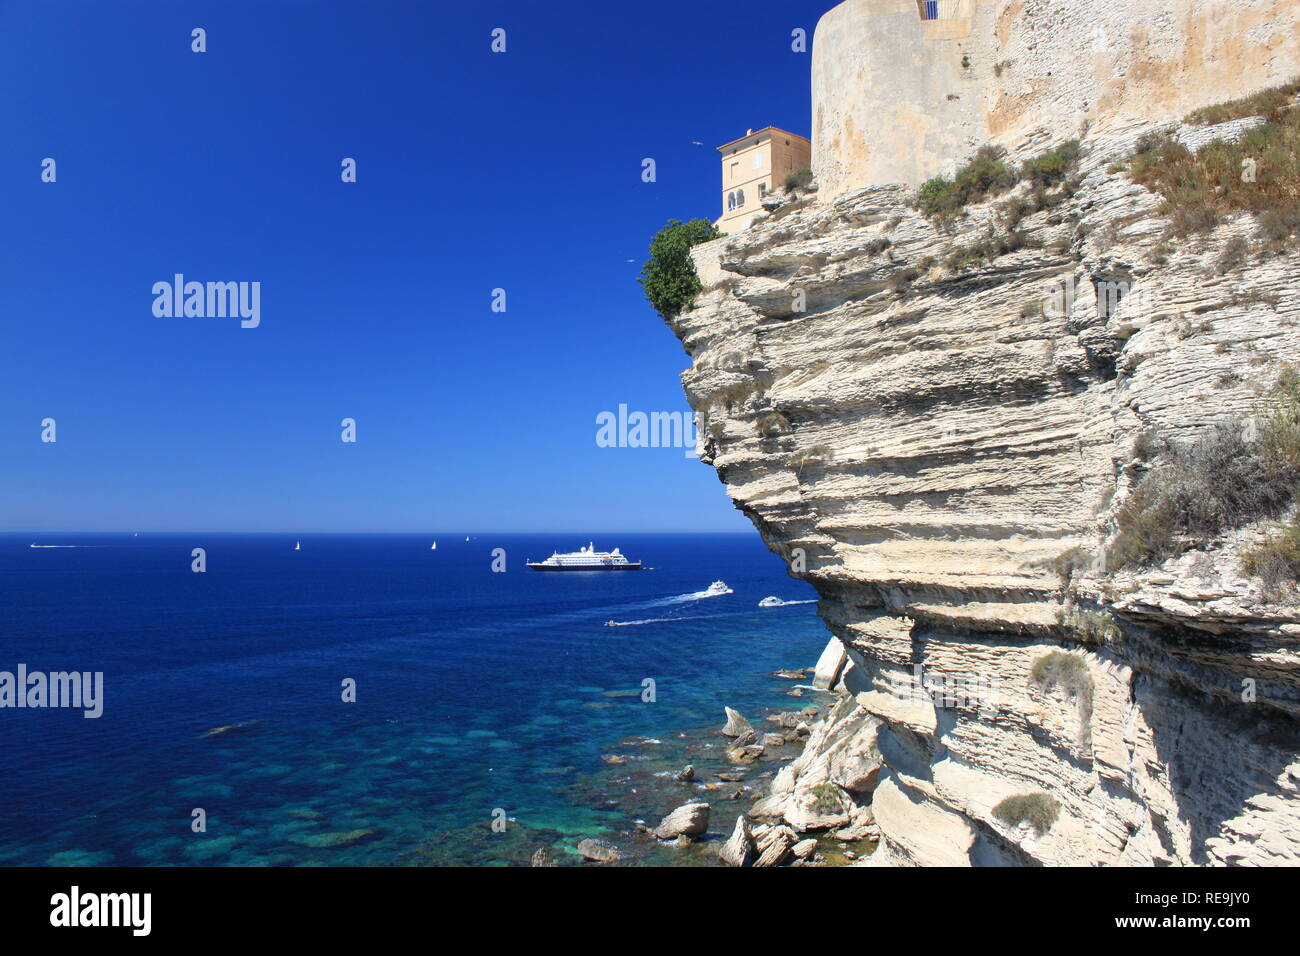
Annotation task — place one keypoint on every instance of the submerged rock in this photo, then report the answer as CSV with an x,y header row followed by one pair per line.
x,y
746,754
541,857
598,850
686,774
333,840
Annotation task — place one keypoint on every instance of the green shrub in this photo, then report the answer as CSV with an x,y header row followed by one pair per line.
x,y
799,179
1091,627
1262,103
1037,809
1233,255
1052,167
669,278
1064,670
771,424
1221,481
986,174
1277,560
1200,187
826,797
1071,560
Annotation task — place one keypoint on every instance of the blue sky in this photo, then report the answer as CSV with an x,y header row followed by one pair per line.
x,y
476,171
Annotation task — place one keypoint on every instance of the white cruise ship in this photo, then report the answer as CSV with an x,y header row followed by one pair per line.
x,y
586,559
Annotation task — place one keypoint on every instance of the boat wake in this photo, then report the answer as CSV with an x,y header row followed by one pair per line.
x,y
716,589
663,620
777,602
34,545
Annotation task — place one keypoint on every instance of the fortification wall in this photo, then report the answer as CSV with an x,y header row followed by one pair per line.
x,y
898,100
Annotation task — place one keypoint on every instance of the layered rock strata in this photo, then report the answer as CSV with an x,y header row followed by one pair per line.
x,y
922,422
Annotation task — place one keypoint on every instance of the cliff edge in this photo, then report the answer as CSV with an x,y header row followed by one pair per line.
x,y
938,424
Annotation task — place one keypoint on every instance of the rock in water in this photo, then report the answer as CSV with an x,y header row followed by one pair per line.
x,y
690,819
542,858
804,848
686,774
830,665
739,849
598,850
737,726
745,754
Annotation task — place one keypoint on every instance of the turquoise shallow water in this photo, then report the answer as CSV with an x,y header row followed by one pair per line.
x,y
477,693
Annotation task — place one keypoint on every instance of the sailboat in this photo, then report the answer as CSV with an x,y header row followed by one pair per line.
x,y
297,546
434,546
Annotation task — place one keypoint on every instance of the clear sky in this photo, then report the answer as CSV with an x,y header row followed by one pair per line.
x,y
475,171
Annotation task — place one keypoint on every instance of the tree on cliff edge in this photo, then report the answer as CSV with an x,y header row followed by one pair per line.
x,y
669,278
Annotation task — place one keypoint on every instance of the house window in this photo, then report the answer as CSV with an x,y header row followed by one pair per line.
x,y
758,160
731,200
762,190
740,197
735,171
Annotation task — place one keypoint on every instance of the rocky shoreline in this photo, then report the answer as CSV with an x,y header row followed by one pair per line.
x,y
792,788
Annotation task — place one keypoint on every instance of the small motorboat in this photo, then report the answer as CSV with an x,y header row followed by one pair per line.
x,y
770,601
718,587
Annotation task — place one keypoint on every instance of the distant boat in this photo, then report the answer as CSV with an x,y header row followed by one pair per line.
x,y
770,602
585,559
434,546
718,587
466,537
297,546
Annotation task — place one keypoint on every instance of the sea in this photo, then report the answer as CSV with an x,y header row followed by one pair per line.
x,y
372,700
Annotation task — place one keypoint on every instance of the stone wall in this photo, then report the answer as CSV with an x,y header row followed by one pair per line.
x,y
899,100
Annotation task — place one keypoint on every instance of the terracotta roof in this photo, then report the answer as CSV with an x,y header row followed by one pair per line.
x,y
765,129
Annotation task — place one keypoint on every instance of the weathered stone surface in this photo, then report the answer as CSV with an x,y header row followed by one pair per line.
x,y
739,848
933,434
804,848
738,727
686,774
827,672
689,820
896,99
773,845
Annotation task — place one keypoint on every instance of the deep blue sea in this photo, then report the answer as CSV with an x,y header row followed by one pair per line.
x,y
477,693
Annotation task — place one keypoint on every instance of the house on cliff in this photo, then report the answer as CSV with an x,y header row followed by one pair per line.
x,y
753,167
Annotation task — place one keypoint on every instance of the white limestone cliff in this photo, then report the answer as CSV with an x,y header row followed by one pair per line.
x,y
924,438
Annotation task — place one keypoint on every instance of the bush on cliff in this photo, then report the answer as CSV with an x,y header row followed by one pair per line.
x,y
799,179
1257,104
1037,809
988,174
1233,474
1259,173
669,278
985,175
